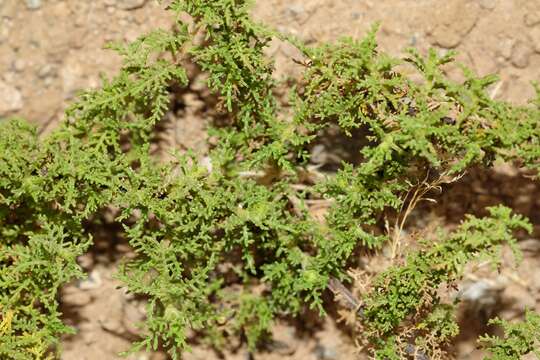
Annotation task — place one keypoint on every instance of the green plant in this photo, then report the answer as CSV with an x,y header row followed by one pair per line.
x,y
412,288
193,229
519,338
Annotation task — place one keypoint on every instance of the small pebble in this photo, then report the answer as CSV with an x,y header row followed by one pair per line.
x,y
10,99
130,4
412,40
45,71
19,65
532,18
488,4
284,340
481,295
520,55
505,47
92,282
323,352
296,10
33,4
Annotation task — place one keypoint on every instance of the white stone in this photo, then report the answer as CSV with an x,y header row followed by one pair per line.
x,y
130,4
33,4
93,281
19,65
10,99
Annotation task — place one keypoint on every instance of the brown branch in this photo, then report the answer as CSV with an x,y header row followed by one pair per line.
x,y
351,302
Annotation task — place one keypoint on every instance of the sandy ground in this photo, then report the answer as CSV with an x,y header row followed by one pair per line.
x,y
51,49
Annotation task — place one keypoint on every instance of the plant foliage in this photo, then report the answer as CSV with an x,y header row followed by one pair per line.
x,y
519,338
224,250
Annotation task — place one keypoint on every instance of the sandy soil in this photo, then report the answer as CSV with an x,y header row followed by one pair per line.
x,y
51,49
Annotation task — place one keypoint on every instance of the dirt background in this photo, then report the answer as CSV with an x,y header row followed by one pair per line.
x,y
50,49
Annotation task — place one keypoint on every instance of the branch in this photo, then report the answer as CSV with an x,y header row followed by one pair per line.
x,y
351,302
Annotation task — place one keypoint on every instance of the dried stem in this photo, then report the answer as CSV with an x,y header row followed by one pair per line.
x,y
352,303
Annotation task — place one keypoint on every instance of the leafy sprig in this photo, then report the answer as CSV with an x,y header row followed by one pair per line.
x,y
222,252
